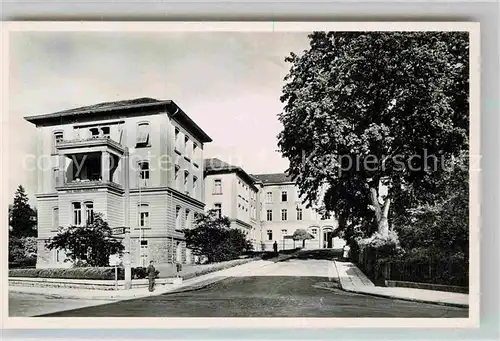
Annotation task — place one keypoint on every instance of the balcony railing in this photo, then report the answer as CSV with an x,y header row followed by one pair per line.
x,y
82,184
89,142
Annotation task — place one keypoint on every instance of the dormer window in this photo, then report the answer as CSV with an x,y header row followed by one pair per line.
x,y
94,132
105,132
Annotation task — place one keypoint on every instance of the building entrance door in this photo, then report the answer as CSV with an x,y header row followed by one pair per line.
x,y
328,239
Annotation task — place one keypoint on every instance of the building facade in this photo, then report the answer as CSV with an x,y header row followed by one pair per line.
x,y
233,193
266,207
283,213
138,162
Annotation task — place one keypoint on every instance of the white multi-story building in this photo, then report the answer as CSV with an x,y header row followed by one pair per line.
x,y
138,162
267,207
283,213
233,193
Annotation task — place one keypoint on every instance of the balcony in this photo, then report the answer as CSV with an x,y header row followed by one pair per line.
x,y
89,170
97,141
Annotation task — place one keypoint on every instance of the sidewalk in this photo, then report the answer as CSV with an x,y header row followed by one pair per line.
x,y
187,285
354,280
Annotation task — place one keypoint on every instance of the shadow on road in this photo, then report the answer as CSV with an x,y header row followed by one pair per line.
x,y
265,296
317,254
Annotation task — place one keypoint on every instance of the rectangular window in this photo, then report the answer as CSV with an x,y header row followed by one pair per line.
x,y
55,219
269,197
143,173
178,218
284,196
55,178
269,234
218,209
77,214
144,252
284,232
187,216
89,212
299,214
143,216
314,233
217,186
284,214
326,216
269,215
187,148
176,174
195,185
143,131
186,182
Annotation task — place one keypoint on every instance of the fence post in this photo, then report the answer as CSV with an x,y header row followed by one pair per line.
x,y
430,267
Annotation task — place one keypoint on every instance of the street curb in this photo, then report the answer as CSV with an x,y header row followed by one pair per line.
x,y
176,290
416,300
449,304
76,297
203,286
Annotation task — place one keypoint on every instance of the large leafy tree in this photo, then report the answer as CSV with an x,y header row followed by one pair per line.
x,y
92,243
443,226
214,238
366,111
22,216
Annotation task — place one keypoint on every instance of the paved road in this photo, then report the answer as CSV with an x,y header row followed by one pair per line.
x,y
21,305
295,288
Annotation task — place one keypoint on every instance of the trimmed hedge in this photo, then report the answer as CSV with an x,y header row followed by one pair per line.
x,y
27,262
91,273
216,267
107,273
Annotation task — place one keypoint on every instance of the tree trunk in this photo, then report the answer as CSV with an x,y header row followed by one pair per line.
x,y
381,213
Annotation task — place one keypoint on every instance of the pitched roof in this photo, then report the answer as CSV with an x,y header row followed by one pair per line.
x,y
132,107
274,178
217,166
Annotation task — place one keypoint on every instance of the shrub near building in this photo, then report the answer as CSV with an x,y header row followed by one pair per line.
x,y
213,238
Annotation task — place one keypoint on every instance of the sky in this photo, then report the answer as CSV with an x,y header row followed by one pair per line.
x,y
229,83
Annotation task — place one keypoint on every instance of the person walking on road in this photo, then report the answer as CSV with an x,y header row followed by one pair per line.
x,y
275,247
151,271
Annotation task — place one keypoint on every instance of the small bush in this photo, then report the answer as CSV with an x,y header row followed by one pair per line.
x,y
26,262
141,272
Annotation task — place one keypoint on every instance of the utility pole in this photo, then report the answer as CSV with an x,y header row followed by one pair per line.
x,y
126,240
